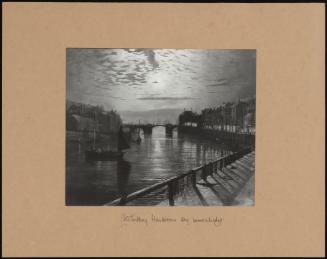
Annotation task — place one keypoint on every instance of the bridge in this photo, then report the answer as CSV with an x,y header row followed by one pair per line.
x,y
147,128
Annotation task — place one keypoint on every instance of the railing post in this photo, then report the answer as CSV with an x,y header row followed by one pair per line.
x,y
230,158
178,186
211,168
171,193
185,183
204,173
193,178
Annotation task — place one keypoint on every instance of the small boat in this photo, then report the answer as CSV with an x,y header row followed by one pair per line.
x,y
138,141
101,155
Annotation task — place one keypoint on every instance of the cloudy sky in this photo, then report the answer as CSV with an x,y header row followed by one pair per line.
x,y
147,79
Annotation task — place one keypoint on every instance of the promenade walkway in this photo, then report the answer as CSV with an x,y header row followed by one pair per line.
x,y
230,185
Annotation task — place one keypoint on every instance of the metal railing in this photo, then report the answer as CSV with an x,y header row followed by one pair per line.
x,y
177,184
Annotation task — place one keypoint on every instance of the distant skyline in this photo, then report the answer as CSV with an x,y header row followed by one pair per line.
x,y
152,79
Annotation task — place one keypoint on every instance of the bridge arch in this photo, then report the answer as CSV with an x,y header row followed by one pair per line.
x,y
147,128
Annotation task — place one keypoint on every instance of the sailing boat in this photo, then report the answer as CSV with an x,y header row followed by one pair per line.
x,y
138,140
99,154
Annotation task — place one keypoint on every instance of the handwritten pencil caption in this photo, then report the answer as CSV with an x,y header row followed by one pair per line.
x,y
154,219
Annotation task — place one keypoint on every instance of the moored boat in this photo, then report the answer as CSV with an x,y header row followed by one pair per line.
x,y
101,154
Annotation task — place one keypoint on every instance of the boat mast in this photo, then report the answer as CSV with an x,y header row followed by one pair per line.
x,y
94,134
119,141
93,138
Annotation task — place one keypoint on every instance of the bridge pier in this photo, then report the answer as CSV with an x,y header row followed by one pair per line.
x,y
169,129
147,130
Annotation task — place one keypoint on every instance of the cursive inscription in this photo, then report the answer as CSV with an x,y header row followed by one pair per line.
x,y
159,219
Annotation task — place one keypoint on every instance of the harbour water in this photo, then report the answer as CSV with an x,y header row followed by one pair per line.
x,y
156,158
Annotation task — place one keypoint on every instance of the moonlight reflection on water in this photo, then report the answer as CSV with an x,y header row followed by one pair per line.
x,y
158,157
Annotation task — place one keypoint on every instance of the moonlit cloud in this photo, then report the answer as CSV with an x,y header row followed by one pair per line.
x,y
165,98
146,79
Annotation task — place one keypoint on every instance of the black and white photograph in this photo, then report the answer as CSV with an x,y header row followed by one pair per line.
x,y
160,127
139,129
